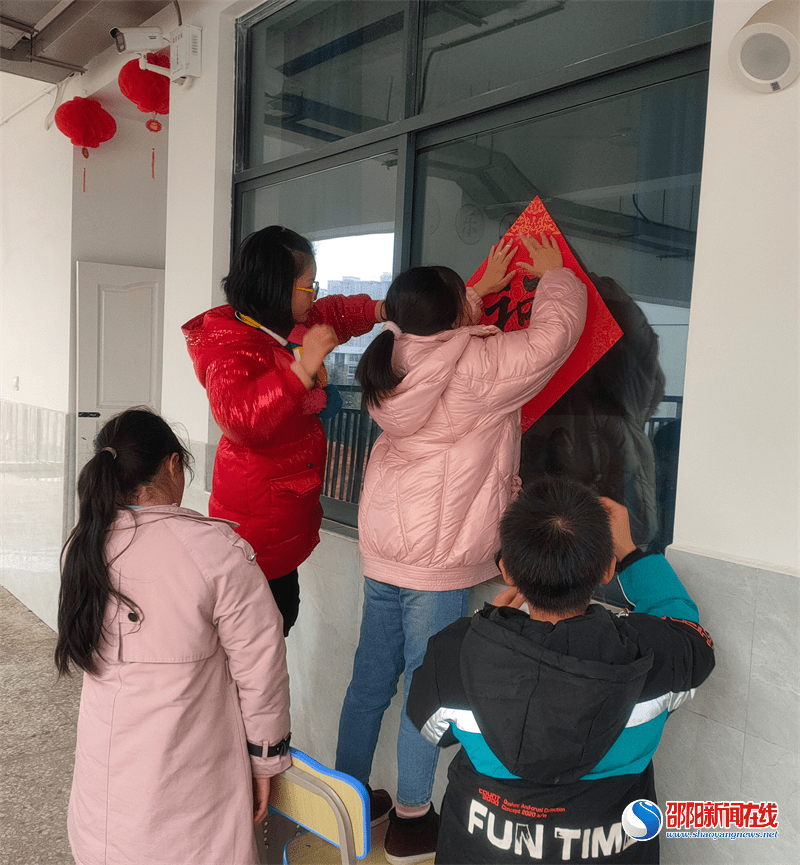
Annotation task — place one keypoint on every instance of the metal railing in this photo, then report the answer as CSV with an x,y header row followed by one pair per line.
x,y
658,421
351,435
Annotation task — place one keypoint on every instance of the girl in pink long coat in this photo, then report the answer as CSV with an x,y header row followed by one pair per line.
x,y
184,712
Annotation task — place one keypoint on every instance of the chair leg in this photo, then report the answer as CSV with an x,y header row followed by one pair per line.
x,y
261,846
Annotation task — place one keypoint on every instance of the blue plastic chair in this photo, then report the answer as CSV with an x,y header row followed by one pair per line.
x,y
330,804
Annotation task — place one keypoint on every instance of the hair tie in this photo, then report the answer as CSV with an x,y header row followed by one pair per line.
x,y
111,451
390,325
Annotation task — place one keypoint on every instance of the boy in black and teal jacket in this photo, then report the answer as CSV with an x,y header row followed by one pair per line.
x,y
560,710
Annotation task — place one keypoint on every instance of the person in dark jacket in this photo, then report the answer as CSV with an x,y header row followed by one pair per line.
x,y
595,433
560,710
266,394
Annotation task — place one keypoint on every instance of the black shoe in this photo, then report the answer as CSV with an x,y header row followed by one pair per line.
x,y
411,839
380,803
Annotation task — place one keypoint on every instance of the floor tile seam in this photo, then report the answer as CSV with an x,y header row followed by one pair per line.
x,y
759,577
13,759
716,721
70,714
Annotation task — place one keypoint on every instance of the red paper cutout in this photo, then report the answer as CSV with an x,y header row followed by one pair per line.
x,y
511,310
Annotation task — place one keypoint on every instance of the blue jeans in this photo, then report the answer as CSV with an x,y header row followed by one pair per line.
x,y
395,630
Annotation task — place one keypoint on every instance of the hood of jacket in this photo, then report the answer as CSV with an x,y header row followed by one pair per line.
x,y
210,331
428,364
141,516
567,692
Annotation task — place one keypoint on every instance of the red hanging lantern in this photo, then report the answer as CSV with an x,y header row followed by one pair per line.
x,y
86,123
149,91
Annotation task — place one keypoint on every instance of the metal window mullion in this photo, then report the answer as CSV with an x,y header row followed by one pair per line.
x,y
617,83
411,42
242,100
404,202
290,170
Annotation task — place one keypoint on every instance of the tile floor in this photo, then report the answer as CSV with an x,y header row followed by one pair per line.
x,y
38,717
38,722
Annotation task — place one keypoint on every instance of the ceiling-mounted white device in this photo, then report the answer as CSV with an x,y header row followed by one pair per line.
x,y
135,39
765,53
185,52
184,42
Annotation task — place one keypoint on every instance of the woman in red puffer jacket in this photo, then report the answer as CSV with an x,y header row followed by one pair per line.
x,y
265,395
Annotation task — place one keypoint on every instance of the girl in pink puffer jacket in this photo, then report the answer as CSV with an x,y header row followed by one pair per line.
x,y
438,480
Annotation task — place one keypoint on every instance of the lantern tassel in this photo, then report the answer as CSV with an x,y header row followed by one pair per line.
x,y
153,164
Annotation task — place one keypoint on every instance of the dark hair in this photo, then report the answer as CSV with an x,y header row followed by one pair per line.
x,y
140,441
422,301
262,276
556,543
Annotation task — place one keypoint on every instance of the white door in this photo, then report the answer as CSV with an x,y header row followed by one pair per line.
x,y
119,341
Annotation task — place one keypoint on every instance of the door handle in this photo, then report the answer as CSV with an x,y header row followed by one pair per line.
x,y
88,414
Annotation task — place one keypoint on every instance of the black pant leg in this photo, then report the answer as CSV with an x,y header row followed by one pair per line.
x,y
286,591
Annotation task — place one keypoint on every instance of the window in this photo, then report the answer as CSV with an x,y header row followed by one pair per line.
x,y
477,46
320,72
449,110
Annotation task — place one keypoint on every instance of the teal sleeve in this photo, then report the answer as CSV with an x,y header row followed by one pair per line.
x,y
653,587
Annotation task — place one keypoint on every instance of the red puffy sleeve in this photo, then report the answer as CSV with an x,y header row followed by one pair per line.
x,y
348,316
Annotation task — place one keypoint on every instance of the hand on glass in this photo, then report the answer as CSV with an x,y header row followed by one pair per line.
x,y
620,527
495,278
319,341
545,255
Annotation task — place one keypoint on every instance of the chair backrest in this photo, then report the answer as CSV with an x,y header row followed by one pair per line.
x,y
330,804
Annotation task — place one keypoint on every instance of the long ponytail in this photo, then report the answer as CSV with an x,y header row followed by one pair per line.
x,y
129,451
421,301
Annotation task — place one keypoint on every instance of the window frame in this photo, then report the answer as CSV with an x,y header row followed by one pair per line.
x,y
664,58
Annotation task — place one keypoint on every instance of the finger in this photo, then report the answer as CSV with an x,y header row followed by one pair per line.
x,y
553,241
518,601
506,279
505,597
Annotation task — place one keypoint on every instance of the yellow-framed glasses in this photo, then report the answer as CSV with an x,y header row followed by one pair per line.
x,y
313,288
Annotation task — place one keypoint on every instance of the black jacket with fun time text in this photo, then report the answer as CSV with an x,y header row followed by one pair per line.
x,y
558,723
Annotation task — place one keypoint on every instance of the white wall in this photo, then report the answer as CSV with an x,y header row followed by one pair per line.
x,y
198,206
738,480
120,218
36,259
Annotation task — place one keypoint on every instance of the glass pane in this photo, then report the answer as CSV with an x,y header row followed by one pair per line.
x,y
475,46
322,71
348,214
621,179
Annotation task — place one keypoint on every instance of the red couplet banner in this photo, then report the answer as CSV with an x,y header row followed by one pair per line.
x,y
510,310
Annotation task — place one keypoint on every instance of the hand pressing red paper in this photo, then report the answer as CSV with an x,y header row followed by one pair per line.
x,y
510,309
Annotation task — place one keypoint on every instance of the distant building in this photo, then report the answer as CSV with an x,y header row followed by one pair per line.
x,y
344,359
